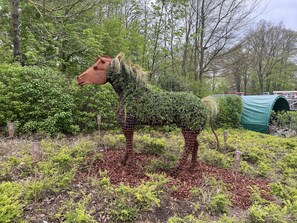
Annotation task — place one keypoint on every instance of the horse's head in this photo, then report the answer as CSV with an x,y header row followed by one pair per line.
x,y
96,74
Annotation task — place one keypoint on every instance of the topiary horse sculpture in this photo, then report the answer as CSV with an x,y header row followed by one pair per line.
x,y
140,105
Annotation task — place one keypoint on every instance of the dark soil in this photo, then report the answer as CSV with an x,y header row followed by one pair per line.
x,y
239,186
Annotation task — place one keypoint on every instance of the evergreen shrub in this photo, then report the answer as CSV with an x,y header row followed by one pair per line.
x,y
285,119
230,109
171,82
42,100
36,99
92,100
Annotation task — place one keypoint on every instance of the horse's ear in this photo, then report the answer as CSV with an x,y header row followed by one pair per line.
x,y
120,56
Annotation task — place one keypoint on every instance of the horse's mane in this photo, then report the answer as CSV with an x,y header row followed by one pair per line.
x,y
119,63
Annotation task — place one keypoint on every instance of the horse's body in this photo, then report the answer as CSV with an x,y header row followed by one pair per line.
x,y
138,104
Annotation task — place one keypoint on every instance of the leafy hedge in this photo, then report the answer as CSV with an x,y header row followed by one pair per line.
x,y
42,100
35,98
91,100
230,109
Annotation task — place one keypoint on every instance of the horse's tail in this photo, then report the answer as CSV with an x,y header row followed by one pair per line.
x,y
213,109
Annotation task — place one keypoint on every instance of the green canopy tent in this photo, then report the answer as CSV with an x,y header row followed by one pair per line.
x,y
257,110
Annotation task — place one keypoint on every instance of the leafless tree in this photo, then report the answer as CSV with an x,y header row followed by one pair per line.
x,y
237,65
214,26
270,46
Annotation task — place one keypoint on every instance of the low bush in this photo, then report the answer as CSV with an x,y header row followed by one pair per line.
x,y
163,163
91,100
129,202
149,145
36,99
212,194
72,211
43,100
215,158
286,119
11,204
230,109
220,203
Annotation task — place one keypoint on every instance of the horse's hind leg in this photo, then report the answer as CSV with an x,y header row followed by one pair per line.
x,y
190,143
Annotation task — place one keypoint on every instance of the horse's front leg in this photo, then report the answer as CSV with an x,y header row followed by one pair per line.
x,y
129,154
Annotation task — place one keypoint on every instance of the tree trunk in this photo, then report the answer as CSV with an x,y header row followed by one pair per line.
x,y
201,44
15,25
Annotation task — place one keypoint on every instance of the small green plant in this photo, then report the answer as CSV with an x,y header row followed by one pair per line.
x,y
247,169
220,203
269,212
113,141
163,163
73,212
212,194
147,144
215,158
11,202
130,202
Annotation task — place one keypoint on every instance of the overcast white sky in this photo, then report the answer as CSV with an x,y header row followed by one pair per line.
x,y
281,10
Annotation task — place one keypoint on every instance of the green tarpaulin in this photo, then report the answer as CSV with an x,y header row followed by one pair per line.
x,y
257,110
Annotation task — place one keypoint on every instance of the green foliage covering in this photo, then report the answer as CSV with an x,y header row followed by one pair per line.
x,y
11,204
230,109
267,211
35,98
126,203
73,212
24,184
154,107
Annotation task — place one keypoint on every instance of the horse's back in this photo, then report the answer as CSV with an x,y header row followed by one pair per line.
x,y
163,108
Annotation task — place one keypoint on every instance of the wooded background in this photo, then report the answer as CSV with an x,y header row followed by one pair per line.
x,y
203,46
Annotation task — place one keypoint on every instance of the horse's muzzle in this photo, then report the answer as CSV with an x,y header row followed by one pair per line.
x,y
79,82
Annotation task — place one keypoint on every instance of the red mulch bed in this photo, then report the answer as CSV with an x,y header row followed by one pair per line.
x,y
238,185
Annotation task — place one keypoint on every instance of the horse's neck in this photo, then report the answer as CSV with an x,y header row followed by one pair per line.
x,y
124,90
